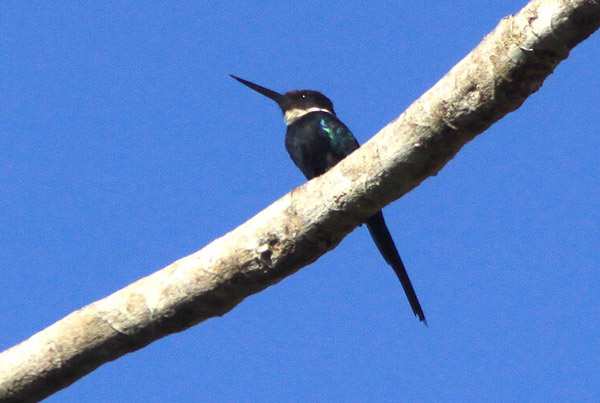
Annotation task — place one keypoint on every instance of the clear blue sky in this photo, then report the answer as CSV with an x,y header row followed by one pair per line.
x,y
125,146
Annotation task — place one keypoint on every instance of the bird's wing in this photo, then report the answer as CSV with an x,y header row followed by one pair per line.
x,y
341,139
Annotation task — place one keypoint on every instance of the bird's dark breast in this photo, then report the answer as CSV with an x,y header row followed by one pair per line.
x,y
308,147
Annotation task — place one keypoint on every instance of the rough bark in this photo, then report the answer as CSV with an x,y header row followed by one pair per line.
x,y
494,79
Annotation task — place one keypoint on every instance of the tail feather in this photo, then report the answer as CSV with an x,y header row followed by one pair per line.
x,y
383,239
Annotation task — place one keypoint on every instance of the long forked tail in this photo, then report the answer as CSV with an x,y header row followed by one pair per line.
x,y
383,239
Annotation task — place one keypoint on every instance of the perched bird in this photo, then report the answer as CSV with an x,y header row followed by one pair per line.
x,y
317,140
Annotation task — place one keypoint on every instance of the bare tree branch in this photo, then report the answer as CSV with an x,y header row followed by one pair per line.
x,y
494,79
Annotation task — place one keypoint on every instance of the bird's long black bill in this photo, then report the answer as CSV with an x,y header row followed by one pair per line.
x,y
383,239
275,96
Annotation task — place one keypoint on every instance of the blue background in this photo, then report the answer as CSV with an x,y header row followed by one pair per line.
x,y
125,145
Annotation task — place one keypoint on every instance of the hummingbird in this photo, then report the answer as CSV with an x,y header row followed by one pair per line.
x,y
316,140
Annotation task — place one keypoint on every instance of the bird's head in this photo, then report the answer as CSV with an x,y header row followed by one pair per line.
x,y
293,104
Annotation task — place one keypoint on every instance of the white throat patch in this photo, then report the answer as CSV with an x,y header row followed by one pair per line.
x,y
294,114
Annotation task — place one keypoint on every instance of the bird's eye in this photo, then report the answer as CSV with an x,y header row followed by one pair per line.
x,y
303,96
